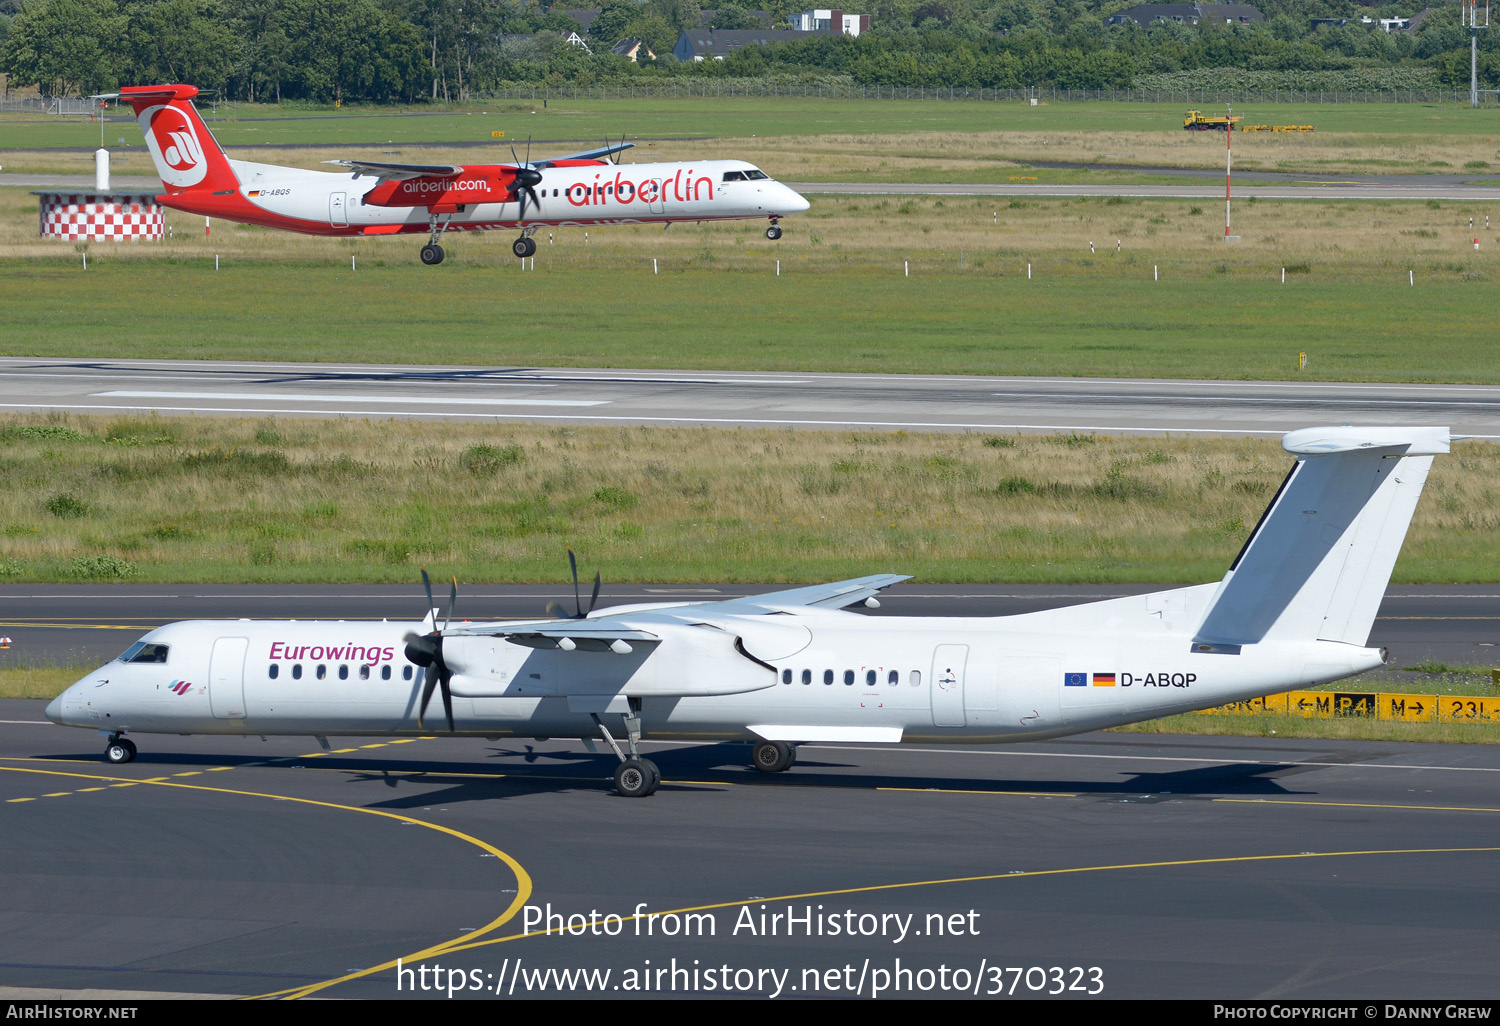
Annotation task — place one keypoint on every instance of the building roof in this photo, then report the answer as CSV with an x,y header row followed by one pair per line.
x,y
583,18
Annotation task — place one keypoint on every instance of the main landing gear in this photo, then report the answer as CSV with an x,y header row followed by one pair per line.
x,y
432,253
525,246
118,751
774,231
773,756
635,777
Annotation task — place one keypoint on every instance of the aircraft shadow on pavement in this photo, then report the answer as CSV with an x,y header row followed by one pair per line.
x,y
518,772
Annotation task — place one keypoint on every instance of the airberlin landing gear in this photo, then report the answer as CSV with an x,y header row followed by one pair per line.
x,y
774,232
773,756
432,253
525,246
118,751
635,777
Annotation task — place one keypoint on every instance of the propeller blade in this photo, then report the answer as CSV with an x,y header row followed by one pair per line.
x,y
429,682
557,612
595,596
447,698
427,587
573,563
452,601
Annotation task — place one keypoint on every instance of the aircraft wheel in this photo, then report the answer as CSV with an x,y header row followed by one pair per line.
x,y
523,247
773,756
634,779
432,254
119,751
655,773
774,232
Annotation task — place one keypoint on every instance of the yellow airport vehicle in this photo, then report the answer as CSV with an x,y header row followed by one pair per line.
x,y
1197,121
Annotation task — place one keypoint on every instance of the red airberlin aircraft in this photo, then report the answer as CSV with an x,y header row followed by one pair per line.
x,y
400,199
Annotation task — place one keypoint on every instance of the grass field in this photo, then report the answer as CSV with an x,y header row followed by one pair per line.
x,y
590,120
843,299
819,140
293,500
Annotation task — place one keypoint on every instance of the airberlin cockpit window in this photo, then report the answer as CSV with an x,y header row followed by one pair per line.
x,y
755,175
734,176
144,652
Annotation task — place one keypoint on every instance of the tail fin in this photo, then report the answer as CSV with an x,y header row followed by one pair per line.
x,y
1317,565
186,154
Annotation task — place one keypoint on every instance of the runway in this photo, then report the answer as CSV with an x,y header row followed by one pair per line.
x,y
1125,866
1262,185
91,623
732,399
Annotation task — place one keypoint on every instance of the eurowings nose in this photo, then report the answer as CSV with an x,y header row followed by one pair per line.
x,y
72,708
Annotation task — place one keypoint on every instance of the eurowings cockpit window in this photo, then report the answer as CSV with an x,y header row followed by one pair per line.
x,y
144,652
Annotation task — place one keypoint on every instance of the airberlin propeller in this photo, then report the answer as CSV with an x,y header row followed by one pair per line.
x,y
525,182
426,651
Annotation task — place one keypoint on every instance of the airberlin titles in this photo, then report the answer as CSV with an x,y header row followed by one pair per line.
x,y
603,191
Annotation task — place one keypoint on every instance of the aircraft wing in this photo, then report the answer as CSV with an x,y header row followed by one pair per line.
x,y
581,634
836,595
596,154
400,172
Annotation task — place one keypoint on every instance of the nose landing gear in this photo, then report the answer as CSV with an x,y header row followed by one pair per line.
x,y
118,750
525,246
774,231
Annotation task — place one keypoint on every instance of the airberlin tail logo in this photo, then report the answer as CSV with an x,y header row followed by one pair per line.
x,y
174,146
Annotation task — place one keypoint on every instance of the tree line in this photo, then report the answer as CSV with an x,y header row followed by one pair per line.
x,y
406,51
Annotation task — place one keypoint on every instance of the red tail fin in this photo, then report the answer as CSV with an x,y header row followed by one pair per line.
x,y
186,154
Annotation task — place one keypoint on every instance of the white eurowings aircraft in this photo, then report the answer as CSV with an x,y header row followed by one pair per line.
x,y
373,198
1294,610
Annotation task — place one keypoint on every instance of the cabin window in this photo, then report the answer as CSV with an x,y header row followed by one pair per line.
x,y
894,678
786,676
322,670
385,673
343,671
827,676
406,673
807,676
296,671
916,678
275,670
364,671
849,677
870,678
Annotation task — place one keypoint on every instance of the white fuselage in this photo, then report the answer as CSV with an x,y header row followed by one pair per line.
x,y
819,675
331,203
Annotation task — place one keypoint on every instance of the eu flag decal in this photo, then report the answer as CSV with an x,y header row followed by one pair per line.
x,y
1076,680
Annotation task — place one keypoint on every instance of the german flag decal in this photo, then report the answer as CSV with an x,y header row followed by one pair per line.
x,y
1104,680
